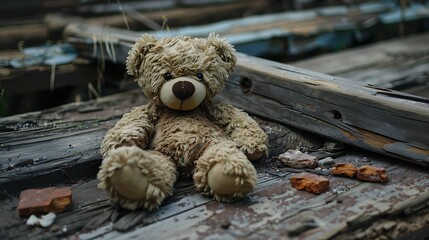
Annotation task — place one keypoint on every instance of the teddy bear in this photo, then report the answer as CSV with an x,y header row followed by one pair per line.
x,y
183,130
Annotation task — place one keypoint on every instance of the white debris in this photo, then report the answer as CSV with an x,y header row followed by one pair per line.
x,y
47,220
298,159
44,220
32,220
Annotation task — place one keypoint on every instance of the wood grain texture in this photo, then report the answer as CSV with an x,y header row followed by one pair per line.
x,y
68,75
60,144
376,119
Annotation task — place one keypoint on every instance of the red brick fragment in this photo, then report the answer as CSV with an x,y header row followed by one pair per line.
x,y
344,169
371,174
42,201
310,183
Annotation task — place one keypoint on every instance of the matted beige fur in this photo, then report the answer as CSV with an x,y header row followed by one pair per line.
x,y
182,130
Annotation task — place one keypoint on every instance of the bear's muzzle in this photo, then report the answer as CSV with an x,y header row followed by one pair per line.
x,y
182,93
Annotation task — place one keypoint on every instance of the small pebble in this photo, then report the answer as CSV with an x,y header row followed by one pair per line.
x,y
327,162
340,189
333,146
226,224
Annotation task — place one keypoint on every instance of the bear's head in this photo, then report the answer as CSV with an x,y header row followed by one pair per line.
x,y
181,72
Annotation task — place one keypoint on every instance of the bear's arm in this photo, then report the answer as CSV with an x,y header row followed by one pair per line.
x,y
241,128
133,129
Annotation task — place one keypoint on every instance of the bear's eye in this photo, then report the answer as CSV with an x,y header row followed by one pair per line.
x,y
200,76
168,76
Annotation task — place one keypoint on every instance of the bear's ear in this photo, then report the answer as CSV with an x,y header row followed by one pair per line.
x,y
138,52
223,49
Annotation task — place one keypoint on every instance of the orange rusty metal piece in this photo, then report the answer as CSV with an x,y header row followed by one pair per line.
x,y
344,169
371,174
310,183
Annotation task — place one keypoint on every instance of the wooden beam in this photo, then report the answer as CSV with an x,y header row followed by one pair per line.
x,y
157,18
380,120
35,33
182,16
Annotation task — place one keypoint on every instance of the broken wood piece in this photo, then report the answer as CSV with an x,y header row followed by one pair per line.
x,y
42,201
298,159
310,182
344,169
371,174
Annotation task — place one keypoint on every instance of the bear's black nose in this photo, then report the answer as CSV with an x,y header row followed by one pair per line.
x,y
183,89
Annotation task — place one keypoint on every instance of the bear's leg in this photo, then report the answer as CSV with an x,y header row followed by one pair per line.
x,y
224,172
136,178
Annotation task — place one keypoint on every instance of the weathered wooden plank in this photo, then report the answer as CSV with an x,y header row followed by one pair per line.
x,y
157,15
289,35
362,57
397,64
35,33
182,16
60,144
324,19
39,77
381,120
377,119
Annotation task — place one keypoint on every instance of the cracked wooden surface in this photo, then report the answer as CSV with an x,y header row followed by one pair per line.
x,y
70,138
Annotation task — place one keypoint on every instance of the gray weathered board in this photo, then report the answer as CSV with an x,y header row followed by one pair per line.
x,y
60,146
377,119
39,77
25,22
400,64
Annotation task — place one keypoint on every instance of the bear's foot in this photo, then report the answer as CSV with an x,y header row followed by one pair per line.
x,y
129,182
135,178
225,173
